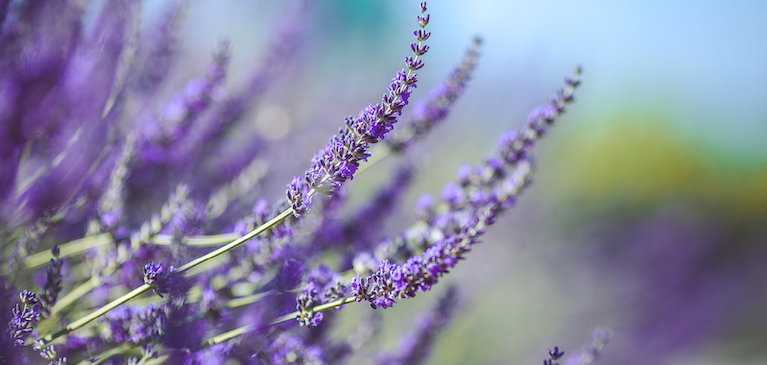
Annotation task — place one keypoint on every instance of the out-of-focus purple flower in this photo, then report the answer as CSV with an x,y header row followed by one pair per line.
x,y
111,204
359,232
134,324
160,133
289,30
182,329
287,349
52,285
290,274
157,49
216,354
28,242
415,347
188,221
433,109
591,349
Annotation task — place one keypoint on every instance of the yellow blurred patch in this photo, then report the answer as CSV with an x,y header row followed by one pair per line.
x,y
646,163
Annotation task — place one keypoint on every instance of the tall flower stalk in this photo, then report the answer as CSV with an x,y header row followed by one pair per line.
x,y
137,214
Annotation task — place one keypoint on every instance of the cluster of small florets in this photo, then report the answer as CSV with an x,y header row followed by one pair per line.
x,y
159,281
341,157
25,315
135,324
323,286
52,285
554,355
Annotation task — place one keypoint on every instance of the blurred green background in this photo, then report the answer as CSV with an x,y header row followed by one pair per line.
x,y
648,212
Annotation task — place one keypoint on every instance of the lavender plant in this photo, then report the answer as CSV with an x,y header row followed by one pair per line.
x,y
154,258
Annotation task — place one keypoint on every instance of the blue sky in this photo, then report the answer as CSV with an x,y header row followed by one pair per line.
x,y
701,64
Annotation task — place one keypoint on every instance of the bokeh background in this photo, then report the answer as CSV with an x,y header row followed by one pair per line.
x,y
648,214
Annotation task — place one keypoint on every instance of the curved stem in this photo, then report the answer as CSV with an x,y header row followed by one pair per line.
x,y
143,288
96,314
209,240
83,244
237,242
291,316
73,295
68,249
250,299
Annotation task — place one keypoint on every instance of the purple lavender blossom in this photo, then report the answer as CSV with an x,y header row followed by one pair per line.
x,y
52,284
9,352
160,282
159,133
204,135
157,49
25,316
553,356
134,324
342,154
432,110
288,349
414,348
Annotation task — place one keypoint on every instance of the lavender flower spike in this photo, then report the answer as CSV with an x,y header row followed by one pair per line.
x,y
158,134
415,348
517,143
430,112
342,154
25,315
52,284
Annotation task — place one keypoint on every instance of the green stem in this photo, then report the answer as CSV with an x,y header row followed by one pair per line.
x,y
96,314
81,245
292,316
250,299
73,295
68,249
237,242
143,288
209,240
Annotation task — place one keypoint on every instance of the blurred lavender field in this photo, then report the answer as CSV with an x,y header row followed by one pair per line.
x,y
648,213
